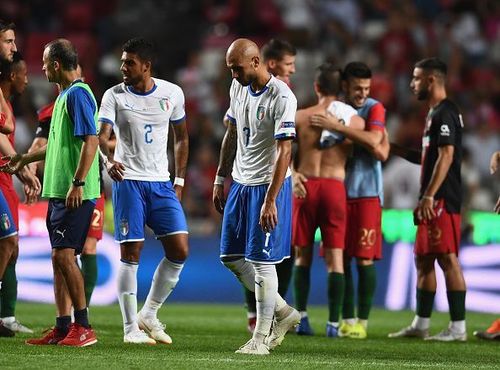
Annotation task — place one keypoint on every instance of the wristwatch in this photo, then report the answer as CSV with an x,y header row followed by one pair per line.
x,y
77,182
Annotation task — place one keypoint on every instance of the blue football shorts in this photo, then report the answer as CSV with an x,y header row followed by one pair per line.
x,y
152,203
7,224
241,233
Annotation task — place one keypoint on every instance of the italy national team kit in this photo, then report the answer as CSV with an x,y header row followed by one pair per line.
x,y
141,122
261,118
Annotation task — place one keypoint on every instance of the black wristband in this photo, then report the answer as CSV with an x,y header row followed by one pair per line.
x,y
77,182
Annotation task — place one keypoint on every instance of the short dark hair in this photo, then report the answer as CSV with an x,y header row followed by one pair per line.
x,y
144,49
328,79
5,26
356,70
277,49
432,65
7,68
64,52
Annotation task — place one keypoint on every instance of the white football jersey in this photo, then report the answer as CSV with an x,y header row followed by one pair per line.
x,y
141,122
261,118
344,113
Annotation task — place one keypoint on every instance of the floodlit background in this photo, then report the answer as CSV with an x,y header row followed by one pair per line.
x,y
192,37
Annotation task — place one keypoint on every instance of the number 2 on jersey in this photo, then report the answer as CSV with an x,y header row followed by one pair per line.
x,y
147,137
246,130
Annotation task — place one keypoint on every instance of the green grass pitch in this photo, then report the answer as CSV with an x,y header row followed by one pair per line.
x,y
206,336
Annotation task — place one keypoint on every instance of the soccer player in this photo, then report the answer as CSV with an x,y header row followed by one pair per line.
x,y
363,183
7,49
140,111
256,226
364,197
13,81
88,257
438,211
279,58
324,203
71,183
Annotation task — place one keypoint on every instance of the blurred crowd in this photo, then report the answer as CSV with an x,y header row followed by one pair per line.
x,y
192,37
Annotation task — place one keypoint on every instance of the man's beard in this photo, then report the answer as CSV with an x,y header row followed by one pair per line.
x,y
422,94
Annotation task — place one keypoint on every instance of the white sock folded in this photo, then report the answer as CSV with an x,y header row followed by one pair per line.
x,y
266,291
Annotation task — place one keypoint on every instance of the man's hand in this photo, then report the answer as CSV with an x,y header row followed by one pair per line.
x,y
219,198
32,186
268,216
30,194
425,209
14,165
116,170
299,189
74,198
328,122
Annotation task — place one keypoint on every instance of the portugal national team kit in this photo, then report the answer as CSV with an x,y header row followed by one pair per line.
x,y
442,234
365,193
325,204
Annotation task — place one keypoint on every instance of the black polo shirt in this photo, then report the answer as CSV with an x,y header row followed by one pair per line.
x,y
443,127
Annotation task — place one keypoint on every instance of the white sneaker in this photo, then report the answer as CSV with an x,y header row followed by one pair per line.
x,y
154,328
253,348
281,327
448,335
138,337
16,326
410,332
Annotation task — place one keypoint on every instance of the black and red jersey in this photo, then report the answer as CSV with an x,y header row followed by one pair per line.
x,y
443,126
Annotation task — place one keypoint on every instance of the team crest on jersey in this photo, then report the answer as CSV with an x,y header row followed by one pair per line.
x,y
124,227
261,112
4,222
164,104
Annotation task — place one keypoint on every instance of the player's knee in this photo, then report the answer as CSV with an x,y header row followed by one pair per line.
x,y
63,257
424,264
303,256
364,261
183,252
13,258
235,264
130,253
448,262
10,244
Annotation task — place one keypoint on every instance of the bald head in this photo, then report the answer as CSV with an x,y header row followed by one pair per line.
x,y
242,48
244,61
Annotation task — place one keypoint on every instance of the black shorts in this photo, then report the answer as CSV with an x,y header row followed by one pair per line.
x,y
68,228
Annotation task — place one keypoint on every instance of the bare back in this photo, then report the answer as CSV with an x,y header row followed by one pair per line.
x,y
312,160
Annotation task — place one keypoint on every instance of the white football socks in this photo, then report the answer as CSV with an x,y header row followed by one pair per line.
x,y
244,271
164,281
127,295
421,323
266,292
457,326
